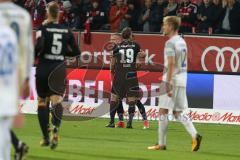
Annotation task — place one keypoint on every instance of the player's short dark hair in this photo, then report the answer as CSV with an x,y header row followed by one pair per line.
x,y
53,9
126,33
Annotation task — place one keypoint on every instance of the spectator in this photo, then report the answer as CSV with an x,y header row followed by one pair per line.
x,y
38,12
106,4
77,9
29,6
150,18
231,17
171,8
217,11
68,17
131,17
96,16
188,13
86,6
205,16
161,5
117,14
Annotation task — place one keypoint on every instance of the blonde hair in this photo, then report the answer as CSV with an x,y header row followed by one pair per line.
x,y
173,21
53,10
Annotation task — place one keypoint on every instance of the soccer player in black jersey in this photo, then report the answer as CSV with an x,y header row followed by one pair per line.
x,y
125,81
116,38
54,42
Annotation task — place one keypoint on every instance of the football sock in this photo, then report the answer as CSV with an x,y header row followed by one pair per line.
x,y
162,130
131,112
15,140
57,113
141,109
113,110
188,125
120,111
43,118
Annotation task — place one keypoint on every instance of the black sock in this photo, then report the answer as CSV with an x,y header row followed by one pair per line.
x,y
131,112
43,118
113,110
120,111
15,140
142,110
57,113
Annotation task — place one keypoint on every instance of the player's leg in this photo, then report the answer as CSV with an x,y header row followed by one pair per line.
x,y
5,139
166,103
114,102
43,102
180,99
131,101
57,113
142,111
20,147
162,130
132,94
120,112
43,118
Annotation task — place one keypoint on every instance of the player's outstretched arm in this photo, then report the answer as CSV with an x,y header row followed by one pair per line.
x,y
140,58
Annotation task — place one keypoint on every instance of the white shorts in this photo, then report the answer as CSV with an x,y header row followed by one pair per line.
x,y
178,101
5,139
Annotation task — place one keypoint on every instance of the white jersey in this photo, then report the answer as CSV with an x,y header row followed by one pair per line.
x,y
8,72
177,47
20,21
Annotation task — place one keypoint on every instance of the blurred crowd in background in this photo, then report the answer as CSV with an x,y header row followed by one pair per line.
x,y
198,16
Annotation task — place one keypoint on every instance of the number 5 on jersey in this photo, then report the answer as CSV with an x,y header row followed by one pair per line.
x,y
57,44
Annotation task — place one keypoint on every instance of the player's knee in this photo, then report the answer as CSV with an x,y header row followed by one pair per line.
x,y
43,102
176,114
114,98
56,99
131,101
163,111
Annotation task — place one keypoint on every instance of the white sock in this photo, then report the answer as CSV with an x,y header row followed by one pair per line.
x,y
187,123
162,130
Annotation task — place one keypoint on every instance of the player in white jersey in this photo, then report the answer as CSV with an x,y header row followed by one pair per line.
x,y
175,77
8,83
20,21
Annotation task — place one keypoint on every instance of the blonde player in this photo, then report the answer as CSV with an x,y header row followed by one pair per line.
x,y
8,84
20,21
175,62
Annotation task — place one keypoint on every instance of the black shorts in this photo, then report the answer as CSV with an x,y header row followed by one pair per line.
x,y
50,79
125,86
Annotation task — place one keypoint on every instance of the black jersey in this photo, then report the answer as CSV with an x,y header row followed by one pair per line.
x,y
125,57
54,42
125,82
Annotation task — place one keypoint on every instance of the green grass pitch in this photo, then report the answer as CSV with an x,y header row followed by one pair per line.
x,y
90,140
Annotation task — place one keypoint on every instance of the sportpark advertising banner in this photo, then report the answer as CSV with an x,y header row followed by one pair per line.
x,y
213,98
